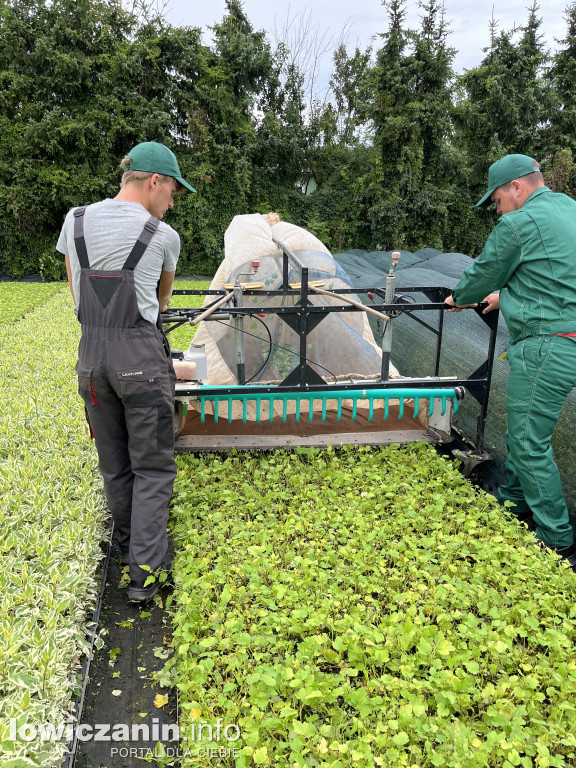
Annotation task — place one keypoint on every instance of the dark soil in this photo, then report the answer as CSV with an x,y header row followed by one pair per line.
x,y
141,633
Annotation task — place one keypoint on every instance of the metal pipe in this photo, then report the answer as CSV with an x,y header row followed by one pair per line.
x,y
387,335
348,300
239,336
287,253
303,329
290,253
211,309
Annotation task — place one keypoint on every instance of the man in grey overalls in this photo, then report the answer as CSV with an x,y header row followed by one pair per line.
x,y
121,259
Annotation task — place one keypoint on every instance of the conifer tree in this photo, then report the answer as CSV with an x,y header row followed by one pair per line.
x,y
505,102
562,132
352,85
412,185
233,78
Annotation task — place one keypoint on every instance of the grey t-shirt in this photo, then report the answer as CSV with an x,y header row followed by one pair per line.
x,y
111,228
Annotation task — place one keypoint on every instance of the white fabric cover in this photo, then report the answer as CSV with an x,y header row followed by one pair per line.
x,y
341,344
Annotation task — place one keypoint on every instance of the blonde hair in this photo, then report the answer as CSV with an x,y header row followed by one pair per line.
x,y
137,177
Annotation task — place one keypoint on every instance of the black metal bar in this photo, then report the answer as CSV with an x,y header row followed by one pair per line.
x,y
290,253
440,292
492,320
439,341
287,253
408,313
303,326
174,324
70,757
199,292
285,270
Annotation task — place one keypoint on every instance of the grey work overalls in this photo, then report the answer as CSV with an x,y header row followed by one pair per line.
x,y
126,379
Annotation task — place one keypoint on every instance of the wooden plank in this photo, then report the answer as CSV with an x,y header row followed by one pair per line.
x,y
271,442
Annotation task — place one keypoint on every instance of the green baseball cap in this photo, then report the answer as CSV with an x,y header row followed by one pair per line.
x,y
507,169
152,157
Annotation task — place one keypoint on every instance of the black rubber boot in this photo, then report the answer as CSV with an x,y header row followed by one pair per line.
x,y
568,554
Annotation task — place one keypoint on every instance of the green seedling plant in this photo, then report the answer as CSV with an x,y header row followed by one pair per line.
x,y
366,607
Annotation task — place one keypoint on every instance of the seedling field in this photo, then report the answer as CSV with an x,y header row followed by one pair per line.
x,y
368,608
362,607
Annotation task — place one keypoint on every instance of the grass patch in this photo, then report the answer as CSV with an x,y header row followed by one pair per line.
x,y
367,607
17,299
52,519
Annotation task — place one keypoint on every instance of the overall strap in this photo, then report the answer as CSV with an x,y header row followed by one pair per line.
x,y
142,243
79,241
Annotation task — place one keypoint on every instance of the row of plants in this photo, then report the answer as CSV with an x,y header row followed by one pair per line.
x,y
19,298
52,519
365,607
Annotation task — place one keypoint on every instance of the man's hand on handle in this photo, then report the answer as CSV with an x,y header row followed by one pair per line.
x,y
493,300
456,307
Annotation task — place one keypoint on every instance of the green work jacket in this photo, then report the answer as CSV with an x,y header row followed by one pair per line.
x,y
530,256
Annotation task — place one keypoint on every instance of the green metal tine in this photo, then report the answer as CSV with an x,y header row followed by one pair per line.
x,y
372,395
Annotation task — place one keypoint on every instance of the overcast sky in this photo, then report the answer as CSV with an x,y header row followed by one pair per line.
x,y
469,19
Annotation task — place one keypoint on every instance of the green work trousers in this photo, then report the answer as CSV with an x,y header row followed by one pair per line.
x,y
542,375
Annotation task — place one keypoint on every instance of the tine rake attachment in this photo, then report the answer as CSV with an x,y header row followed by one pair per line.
x,y
340,396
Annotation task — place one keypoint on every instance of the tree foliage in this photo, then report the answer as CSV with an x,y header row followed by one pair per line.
x,y
416,163
233,74
82,82
562,76
399,146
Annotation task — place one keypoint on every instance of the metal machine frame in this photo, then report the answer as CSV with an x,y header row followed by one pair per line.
x,y
303,382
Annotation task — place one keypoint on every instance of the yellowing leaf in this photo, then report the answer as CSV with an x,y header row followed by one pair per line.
x,y
116,692
261,756
444,648
160,700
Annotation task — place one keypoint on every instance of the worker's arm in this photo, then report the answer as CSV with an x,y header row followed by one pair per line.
x,y
493,303
165,289
494,267
69,273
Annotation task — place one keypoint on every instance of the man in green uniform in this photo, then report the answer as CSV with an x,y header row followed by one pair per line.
x,y
530,256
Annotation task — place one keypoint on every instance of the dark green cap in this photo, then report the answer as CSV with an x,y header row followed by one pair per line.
x,y
507,169
152,157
